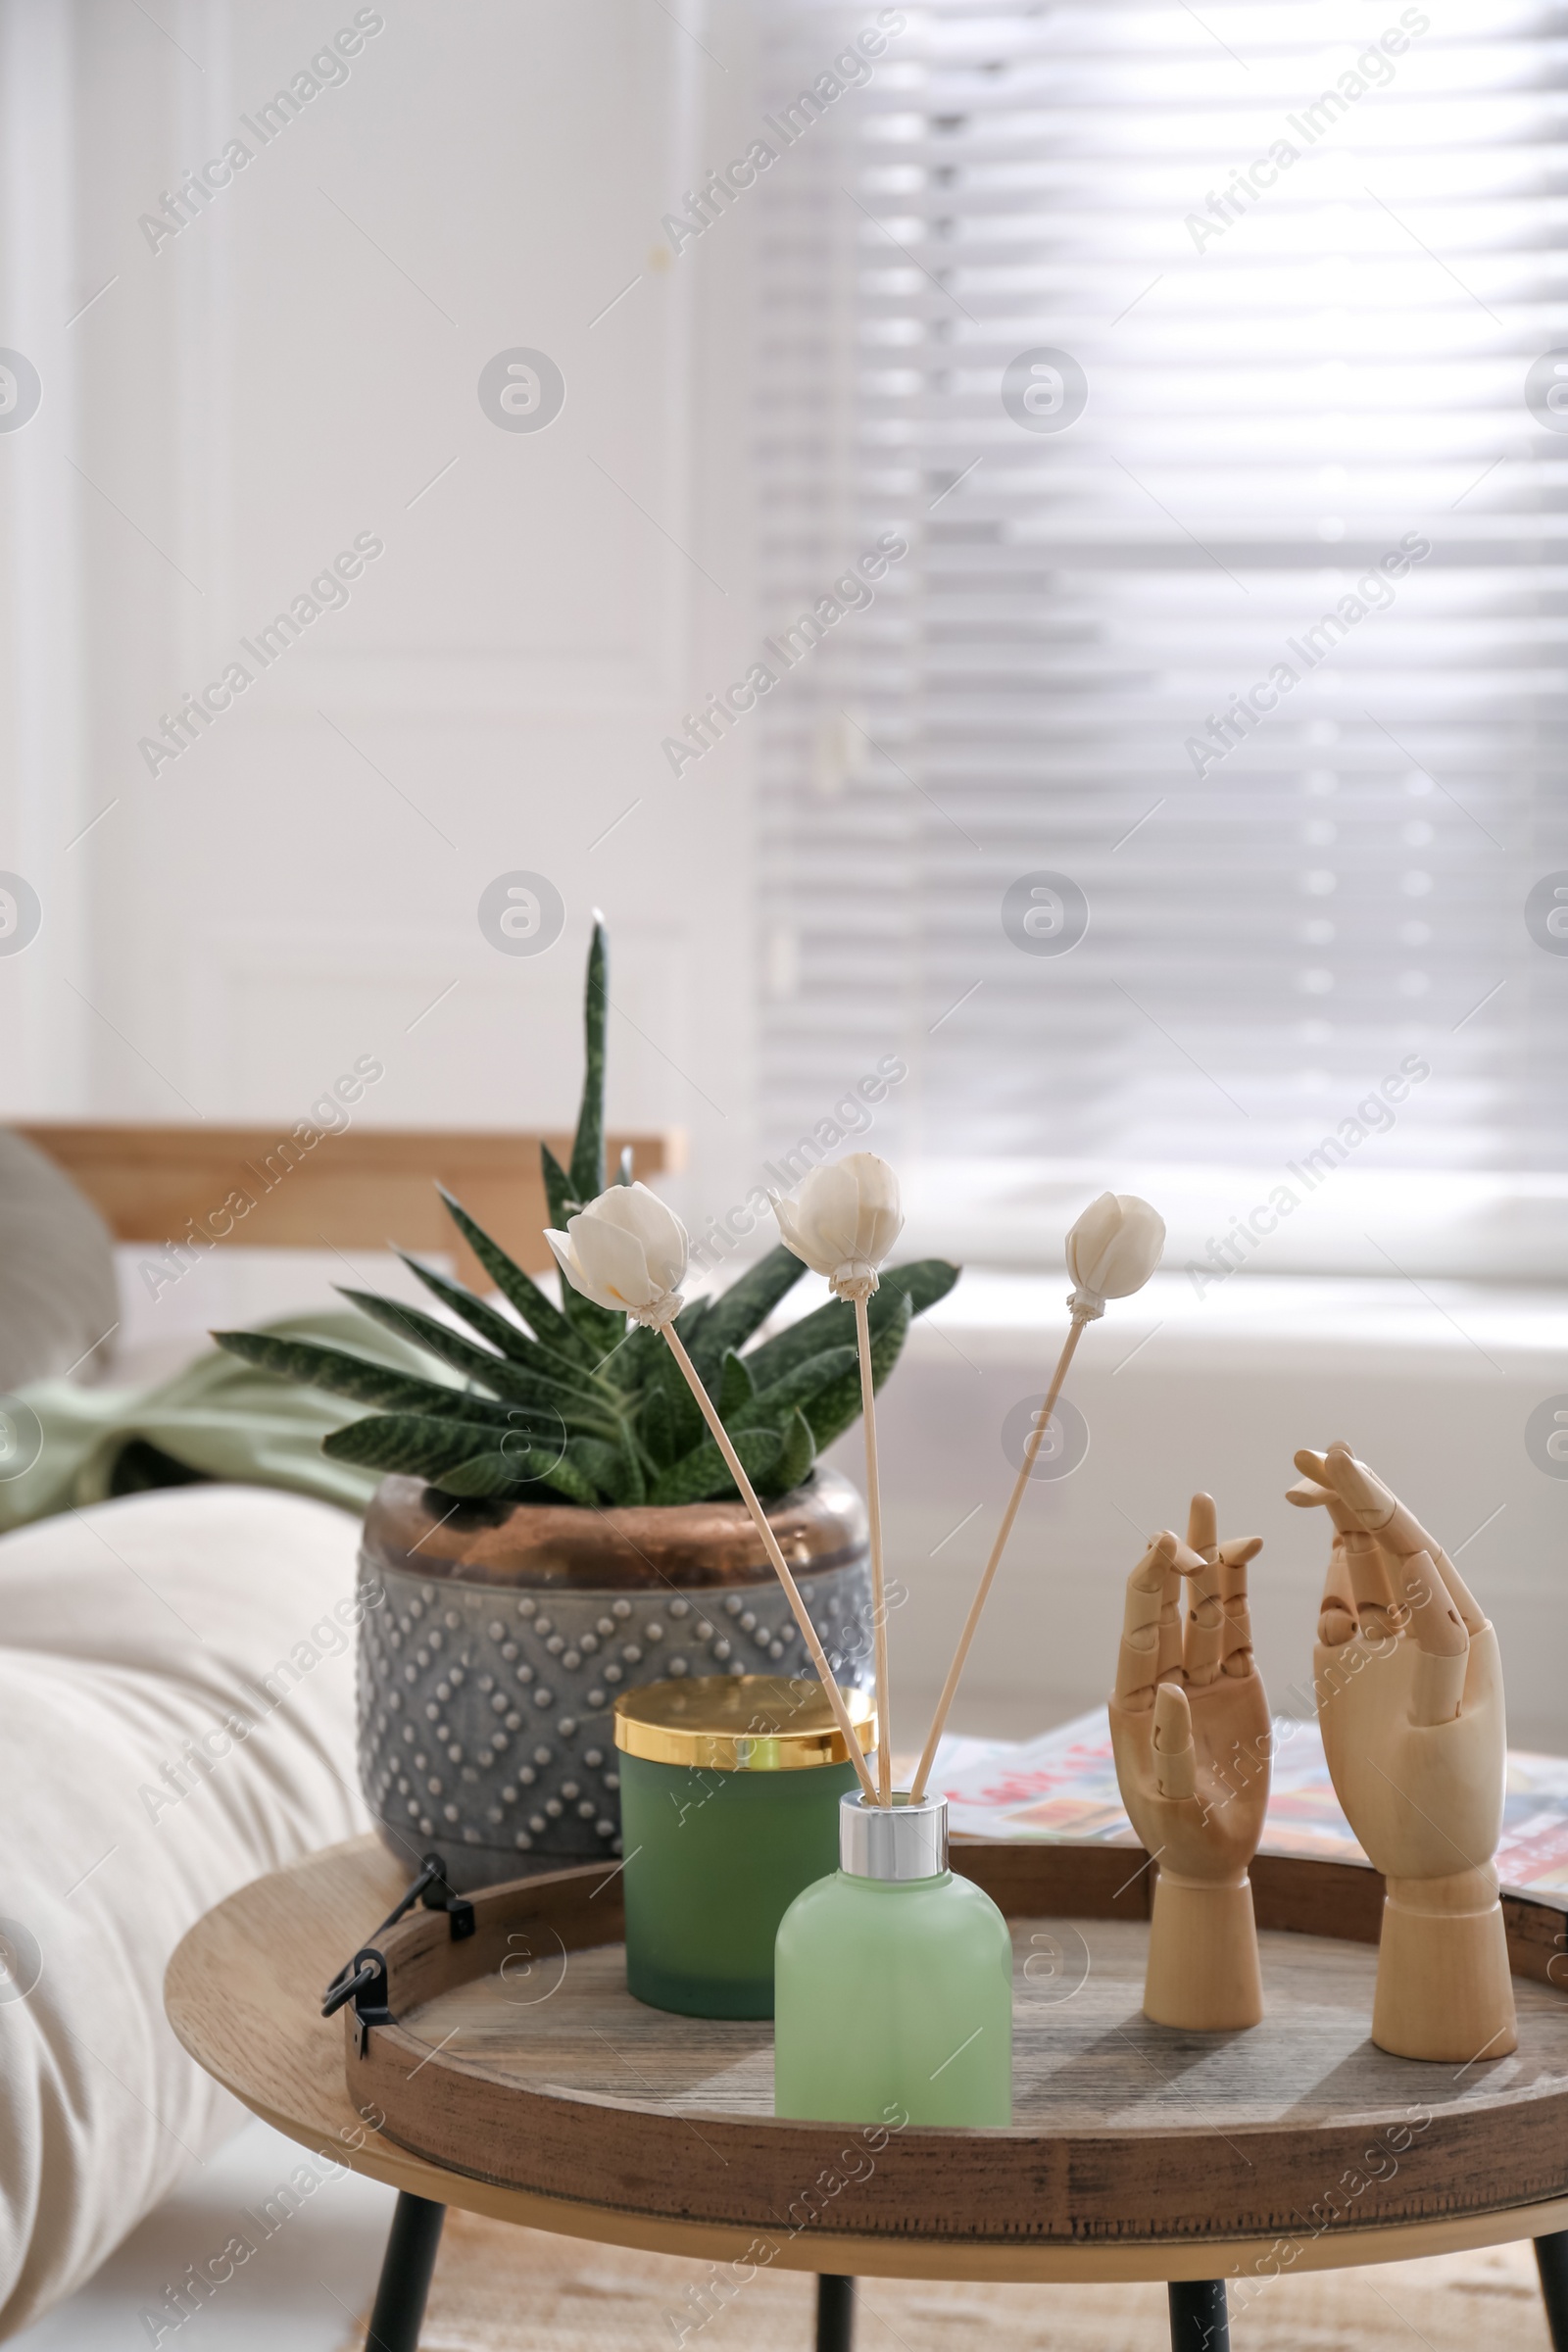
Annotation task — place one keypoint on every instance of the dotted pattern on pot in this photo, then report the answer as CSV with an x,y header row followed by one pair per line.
x,y
486,1731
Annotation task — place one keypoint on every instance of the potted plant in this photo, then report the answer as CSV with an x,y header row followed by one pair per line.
x,y
555,1524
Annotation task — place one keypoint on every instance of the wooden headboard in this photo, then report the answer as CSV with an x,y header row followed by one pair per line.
x,y
362,1188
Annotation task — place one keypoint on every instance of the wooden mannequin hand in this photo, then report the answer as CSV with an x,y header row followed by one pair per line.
x,y
1409,1687
1190,1731
1409,1699
1189,1716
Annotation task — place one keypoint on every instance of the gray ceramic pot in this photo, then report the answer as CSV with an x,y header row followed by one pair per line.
x,y
494,1642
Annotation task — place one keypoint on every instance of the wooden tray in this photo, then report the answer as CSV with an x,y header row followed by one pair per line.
x,y
518,2058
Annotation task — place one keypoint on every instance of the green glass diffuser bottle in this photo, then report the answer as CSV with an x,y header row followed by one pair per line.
x,y
729,1789
893,1982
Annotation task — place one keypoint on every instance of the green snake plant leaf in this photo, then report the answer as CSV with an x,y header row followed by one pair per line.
x,y
702,1475
578,1407
795,1457
732,1319
345,1375
460,1458
573,1483
655,1426
587,1172
925,1279
415,1442
835,1407
559,1199
736,1387
685,1413
605,1467
636,1360
797,1387
477,1479
503,1334
529,1476
636,1476
519,1290
923,1282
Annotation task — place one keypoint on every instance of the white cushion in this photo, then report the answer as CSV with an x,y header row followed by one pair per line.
x,y
58,1299
129,1631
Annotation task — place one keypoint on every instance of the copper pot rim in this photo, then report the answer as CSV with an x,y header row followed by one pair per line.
x,y
563,1547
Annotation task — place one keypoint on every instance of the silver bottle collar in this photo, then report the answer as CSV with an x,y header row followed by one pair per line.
x,y
894,1841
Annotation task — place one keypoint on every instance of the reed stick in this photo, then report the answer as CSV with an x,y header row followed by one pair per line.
x,y
879,1607
721,1439
955,1670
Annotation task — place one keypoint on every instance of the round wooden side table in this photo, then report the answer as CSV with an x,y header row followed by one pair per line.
x,y
493,2060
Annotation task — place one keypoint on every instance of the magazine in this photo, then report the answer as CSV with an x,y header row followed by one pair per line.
x,y
1063,1784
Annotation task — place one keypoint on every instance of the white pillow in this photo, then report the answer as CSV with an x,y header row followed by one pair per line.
x,y
59,1294
128,1633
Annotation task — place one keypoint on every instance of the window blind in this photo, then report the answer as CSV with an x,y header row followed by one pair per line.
x,y
1177,799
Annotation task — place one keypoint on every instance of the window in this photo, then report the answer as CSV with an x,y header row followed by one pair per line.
x,y
1173,809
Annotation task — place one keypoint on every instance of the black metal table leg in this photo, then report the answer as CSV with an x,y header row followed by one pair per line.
x,y
1552,2261
835,2314
1200,2318
404,2281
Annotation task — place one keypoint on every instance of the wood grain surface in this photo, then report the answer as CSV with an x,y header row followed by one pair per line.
x,y
358,1187
1083,2057
558,2102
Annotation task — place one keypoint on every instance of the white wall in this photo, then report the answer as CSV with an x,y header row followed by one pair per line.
x,y
1435,1388
44,783
290,370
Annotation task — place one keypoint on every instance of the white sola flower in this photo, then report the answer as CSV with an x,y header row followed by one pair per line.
x,y
844,1220
627,1251
1112,1250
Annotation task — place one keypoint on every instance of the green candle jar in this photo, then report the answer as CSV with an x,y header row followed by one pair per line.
x,y
730,1805
895,1981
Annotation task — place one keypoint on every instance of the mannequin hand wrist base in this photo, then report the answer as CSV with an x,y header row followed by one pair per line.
x,y
1443,1987
1202,1970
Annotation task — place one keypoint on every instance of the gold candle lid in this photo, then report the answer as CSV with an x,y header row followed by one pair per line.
x,y
739,1723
